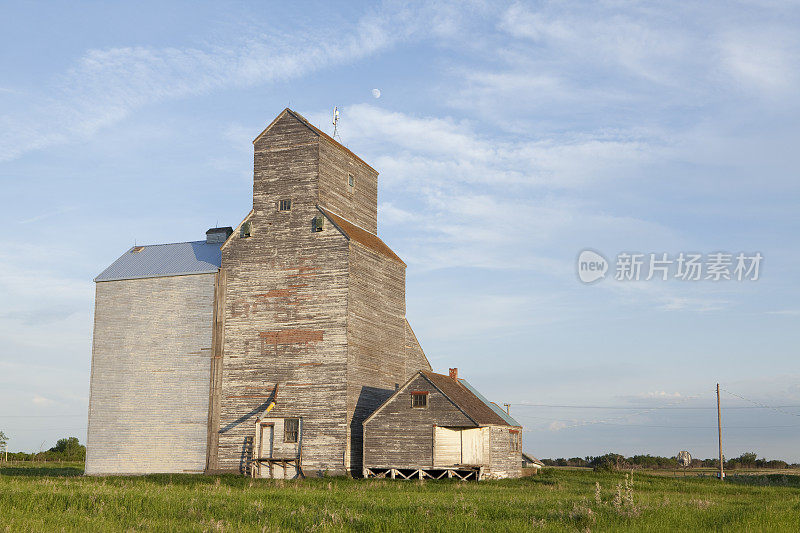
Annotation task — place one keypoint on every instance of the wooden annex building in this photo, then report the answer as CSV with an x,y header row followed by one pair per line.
x,y
263,348
439,426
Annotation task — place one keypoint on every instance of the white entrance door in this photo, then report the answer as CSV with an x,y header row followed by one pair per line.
x,y
265,440
446,446
472,441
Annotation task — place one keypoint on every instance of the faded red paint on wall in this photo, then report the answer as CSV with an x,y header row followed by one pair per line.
x,y
290,336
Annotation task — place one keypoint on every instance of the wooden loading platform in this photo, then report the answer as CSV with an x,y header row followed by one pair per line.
x,y
463,473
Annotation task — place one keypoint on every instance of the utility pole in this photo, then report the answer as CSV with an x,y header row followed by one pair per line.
x,y
508,408
719,431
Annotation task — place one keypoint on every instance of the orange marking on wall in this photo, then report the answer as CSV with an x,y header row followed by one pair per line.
x,y
278,293
290,336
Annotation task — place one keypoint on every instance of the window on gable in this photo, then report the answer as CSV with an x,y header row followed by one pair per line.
x,y
419,399
285,205
351,180
244,231
291,429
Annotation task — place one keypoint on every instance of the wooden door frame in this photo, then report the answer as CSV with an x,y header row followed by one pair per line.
x,y
261,426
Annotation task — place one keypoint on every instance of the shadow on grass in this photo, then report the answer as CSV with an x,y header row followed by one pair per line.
x,y
43,471
766,480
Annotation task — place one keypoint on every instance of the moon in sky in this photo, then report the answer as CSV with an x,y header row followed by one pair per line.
x,y
376,93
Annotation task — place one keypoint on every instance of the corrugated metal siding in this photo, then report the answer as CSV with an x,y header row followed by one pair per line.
x,y
159,260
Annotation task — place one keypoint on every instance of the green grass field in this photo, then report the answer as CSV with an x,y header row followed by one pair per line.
x,y
58,498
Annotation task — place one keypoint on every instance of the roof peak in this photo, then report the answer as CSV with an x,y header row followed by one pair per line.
x,y
166,244
487,413
313,128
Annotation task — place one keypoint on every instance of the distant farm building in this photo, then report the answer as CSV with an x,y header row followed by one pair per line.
x,y
263,348
529,461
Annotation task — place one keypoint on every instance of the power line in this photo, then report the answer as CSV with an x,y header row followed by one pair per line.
x,y
763,406
643,410
38,416
524,404
47,428
699,427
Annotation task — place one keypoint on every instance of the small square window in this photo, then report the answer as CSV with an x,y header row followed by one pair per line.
x,y
351,180
291,429
244,231
285,205
419,399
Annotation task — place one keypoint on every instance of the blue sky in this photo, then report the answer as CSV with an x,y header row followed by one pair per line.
x,y
509,137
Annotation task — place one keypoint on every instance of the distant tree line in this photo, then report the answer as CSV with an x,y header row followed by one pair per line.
x,y
615,461
66,449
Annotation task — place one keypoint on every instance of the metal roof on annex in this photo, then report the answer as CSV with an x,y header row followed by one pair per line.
x,y
159,260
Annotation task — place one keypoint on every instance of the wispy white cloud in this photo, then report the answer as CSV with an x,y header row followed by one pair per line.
x,y
675,303
763,61
106,85
558,425
434,148
48,214
635,40
660,396
41,401
489,202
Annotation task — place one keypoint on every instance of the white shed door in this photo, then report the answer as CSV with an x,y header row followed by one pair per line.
x,y
472,446
266,437
446,446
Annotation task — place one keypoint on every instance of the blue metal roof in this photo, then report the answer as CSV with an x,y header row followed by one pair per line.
x,y
160,260
491,405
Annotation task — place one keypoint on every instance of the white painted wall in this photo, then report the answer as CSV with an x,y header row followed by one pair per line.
x,y
151,360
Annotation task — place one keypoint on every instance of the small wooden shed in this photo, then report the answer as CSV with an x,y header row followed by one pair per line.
x,y
529,461
438,426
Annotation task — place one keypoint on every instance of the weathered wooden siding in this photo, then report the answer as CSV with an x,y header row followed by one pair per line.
x,y
151,359
415,356
358,204
319,315
400,436
215,385
286,309
505,462
375,338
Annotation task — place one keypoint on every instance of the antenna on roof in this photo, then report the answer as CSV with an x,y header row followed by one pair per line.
x,y
336,123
